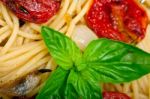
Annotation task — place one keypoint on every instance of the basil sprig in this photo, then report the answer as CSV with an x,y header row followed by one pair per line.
x,y
79,73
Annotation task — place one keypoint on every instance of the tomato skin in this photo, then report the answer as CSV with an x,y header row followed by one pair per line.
x,y
114,95
122,20
36,11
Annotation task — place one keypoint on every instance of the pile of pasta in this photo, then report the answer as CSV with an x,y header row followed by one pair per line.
x,y
22,50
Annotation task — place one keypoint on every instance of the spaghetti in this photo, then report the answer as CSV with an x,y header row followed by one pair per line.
x,y
22,50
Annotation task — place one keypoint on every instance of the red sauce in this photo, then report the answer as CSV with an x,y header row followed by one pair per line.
x,y
37,11
122,20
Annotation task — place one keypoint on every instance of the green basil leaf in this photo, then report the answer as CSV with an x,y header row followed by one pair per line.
x,y
115,62
64,51
87,89
70,92
53,88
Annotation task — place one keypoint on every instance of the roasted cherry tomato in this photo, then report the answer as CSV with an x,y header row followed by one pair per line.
x,y
114,95
37,11
122,20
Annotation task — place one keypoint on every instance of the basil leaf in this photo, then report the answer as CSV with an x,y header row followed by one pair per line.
x,y
53,86
70,92
115,62
87,89
62,49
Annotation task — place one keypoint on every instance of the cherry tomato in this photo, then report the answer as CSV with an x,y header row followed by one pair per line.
x,y
114,95
122,20
37,11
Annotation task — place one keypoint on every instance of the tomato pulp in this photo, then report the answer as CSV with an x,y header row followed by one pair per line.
x,y
114,95
37,11
122,20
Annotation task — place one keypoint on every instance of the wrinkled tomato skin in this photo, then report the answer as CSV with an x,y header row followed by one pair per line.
x,y
36,11
122,20
114,95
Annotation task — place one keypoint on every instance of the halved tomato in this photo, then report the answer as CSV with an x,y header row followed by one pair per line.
x,y
122,20
37,11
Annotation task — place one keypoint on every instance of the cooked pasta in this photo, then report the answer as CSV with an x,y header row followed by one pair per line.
x,y
23,52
